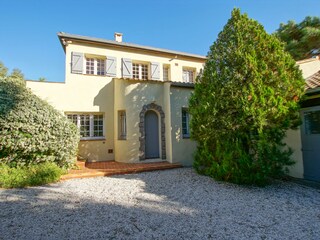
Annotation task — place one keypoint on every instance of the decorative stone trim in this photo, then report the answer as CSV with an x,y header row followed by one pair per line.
x,y
156,108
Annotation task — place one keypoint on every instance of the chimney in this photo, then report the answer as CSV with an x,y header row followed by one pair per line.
x,y
118,37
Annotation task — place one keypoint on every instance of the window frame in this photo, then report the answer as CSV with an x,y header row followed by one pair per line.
x,y
76,119
166,68
122,125
189,71
98,68
143,68
187,122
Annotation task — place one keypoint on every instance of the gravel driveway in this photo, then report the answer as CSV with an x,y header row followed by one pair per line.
x,y
171,204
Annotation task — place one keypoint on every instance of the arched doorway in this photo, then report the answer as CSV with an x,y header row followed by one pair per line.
x,y
161,130
152,134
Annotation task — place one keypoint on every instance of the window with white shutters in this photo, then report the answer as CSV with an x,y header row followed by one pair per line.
x,y
140,71
95,66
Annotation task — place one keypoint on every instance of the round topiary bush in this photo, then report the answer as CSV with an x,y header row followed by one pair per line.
x,y
31,130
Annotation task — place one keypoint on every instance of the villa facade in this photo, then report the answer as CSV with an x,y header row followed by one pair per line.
x,y
130,103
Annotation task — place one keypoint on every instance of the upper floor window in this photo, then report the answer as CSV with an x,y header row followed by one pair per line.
x,y
101,66
165,72
95,66
188,75
90,66
90,125
140,71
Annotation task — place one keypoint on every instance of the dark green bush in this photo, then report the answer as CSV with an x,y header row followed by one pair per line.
x,y
32,175
31,130
243,103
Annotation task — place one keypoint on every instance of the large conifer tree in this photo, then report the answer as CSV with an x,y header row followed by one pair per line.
x,y
243,103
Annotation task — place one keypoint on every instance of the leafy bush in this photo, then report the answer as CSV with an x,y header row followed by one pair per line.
x,y
31,130
32,175
243,104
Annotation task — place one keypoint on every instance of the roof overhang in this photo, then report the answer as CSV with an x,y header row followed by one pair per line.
x,y
66,37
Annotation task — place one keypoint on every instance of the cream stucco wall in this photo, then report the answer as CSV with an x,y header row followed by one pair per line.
x,y
182,148
309,66
293,140
83,94
131,96
293,137
176,64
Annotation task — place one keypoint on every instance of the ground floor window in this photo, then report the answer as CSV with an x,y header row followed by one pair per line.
x,y
122,125
185,123
91,125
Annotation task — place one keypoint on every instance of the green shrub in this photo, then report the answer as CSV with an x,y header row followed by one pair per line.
x,y
243,103
31,130
32,175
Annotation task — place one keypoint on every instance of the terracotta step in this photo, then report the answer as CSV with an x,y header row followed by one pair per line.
x,y
81,164
115,168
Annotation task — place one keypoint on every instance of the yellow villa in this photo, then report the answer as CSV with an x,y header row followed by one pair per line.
x,y
130,102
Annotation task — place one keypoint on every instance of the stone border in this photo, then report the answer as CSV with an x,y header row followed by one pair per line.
x,y
157,108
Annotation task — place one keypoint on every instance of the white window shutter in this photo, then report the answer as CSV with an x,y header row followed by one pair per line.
x,y
126,68
111,66
155,71
76,62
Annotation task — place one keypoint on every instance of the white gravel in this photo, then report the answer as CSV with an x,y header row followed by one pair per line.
x,y
172,204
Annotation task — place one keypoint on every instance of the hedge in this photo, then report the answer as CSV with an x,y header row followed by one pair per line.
x,y
31,130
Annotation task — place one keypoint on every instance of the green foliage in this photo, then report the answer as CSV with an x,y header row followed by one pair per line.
x,y
33,175
243,103
3,70
301,38
32,131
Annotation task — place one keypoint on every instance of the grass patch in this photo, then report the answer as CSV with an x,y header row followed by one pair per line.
x,y
33,175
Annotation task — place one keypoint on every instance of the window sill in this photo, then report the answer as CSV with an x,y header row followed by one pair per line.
x,y
186,136
93,139
94,75
122,139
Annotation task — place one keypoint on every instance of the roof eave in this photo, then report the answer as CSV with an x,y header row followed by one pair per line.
x,y
62,36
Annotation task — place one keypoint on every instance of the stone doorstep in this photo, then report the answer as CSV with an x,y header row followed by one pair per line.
x,y
118,169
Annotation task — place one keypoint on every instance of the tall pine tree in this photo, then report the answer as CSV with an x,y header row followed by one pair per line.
x,y
302,39
243,103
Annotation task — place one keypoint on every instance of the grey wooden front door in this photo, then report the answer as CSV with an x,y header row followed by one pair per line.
x,y
152,135
310,136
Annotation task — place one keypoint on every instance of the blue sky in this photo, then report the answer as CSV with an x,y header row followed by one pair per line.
x,y
28,39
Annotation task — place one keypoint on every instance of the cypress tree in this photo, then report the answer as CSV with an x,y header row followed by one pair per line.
x,y
244,102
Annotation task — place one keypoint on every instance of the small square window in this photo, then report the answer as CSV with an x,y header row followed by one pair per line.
x,y
188,75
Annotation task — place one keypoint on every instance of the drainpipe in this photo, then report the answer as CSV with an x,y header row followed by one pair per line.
x,y
167,112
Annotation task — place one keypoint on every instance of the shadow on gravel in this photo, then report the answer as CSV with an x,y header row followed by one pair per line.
x,y
173,204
